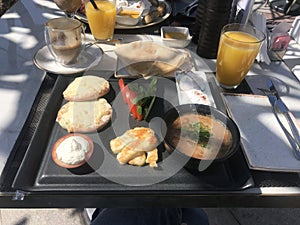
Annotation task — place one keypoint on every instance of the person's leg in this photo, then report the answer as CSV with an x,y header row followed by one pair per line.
x,y
194,216
133,216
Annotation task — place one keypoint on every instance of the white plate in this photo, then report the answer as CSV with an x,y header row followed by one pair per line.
x,y
88,58
82,18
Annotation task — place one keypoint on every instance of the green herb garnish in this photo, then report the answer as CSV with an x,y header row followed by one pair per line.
x,y
145,96
197,131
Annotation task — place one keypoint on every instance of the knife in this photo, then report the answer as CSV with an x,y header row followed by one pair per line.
x,y
295,145
286,112
278,105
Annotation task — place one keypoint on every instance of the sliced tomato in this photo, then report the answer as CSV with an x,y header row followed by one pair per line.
x,y
123,89
132,107
128,97
132,95
121,84
133,111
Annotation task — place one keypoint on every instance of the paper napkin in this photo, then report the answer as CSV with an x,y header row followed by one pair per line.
x,y
258,20
295,30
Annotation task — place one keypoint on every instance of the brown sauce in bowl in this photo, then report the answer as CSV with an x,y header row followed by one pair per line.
x,y
175,35
199,136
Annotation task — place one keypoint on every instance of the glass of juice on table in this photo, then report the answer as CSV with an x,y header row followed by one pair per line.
x,y
101,18
238,47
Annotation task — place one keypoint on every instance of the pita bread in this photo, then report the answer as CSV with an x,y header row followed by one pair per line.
x,y
86,116
151,68
147,58
86,88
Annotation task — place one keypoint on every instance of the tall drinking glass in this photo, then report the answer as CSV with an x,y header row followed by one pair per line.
x,y
102,20
238,47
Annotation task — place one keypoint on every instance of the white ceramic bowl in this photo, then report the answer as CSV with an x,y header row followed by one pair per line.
x,y
126,19
179,37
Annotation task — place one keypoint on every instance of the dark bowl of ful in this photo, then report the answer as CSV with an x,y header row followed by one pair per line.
x,y
199,135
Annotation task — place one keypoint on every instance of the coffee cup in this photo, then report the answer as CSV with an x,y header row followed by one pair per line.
x,y
64,39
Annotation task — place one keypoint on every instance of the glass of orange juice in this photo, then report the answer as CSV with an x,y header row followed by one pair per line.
x,y
101,20
238,47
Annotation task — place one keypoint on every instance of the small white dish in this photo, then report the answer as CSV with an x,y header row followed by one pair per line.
x,y
176,37
88,58
193,88
130,16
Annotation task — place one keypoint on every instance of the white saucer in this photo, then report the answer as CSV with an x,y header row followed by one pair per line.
x,y
89,57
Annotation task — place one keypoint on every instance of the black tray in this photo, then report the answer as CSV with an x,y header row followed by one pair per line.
x,y
38,172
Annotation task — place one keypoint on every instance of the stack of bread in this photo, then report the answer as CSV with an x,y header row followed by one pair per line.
x,y
85,110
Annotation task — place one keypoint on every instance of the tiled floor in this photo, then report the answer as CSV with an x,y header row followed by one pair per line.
x,y
43,217
217,216
4,5
253,216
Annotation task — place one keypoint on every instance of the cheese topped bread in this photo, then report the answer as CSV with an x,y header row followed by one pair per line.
x,y
86,88
86,116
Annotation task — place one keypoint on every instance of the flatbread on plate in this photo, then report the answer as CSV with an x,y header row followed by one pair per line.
x,y
86,116
147,58
86,88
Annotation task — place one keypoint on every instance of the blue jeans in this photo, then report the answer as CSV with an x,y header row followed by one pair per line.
x,y
149,216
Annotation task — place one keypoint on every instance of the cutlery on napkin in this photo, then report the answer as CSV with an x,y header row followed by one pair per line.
x,y
280,109
263,141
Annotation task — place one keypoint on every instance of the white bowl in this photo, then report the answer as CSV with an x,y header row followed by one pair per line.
x,y
127,19
180,40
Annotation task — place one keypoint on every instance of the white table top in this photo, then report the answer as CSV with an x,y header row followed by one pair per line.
x,y
21,35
